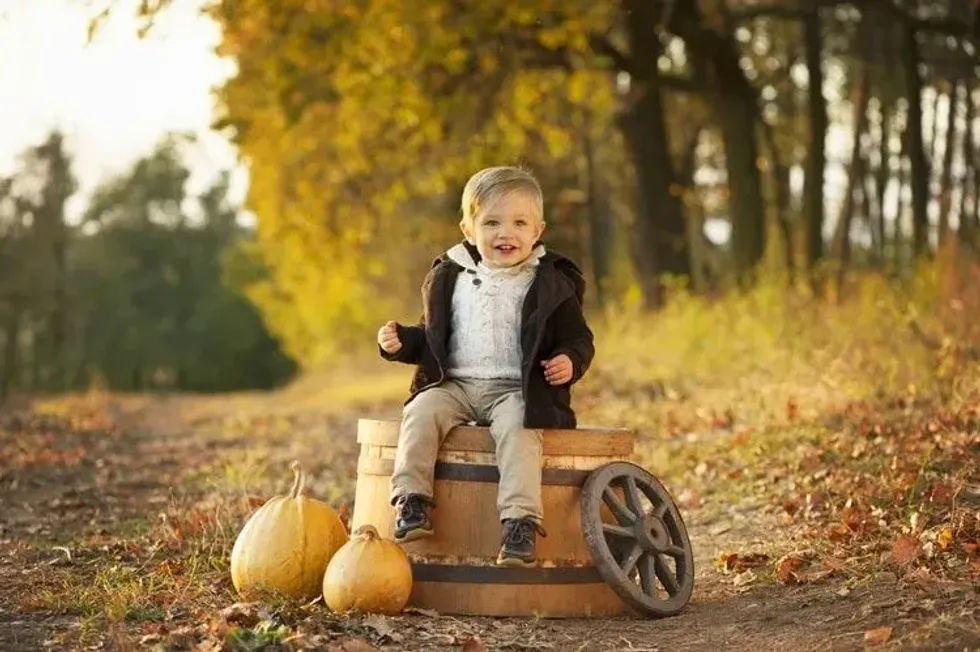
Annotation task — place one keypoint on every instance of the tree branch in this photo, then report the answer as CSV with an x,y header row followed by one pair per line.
x,y
682,84
779,9
602,46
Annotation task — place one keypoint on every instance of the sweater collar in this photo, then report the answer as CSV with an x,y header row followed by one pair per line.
x,y
466,255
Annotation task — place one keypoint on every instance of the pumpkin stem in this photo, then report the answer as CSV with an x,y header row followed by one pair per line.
x,y
298,480
367,531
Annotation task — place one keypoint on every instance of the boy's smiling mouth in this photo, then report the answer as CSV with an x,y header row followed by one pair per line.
x,y
506,248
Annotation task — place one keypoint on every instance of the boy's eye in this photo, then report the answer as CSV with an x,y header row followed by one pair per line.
x,y
490,223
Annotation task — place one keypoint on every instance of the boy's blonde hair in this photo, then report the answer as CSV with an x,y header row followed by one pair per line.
x,y
490,184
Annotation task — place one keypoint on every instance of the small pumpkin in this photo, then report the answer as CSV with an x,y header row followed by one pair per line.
x,y
286,544
368,574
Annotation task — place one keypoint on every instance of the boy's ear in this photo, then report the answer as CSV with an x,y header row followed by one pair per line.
x,y
467,232
539,229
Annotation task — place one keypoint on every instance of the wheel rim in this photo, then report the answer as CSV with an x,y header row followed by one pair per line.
x,y
641,547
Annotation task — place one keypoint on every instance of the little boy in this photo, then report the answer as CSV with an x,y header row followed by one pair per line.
x,y
501,341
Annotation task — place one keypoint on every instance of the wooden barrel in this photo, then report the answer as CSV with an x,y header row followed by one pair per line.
x,y
454,571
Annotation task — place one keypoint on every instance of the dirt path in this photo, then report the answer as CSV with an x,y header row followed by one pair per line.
x,y
91,511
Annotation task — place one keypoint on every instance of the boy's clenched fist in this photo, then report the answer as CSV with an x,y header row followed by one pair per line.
x,y
558,370
388,338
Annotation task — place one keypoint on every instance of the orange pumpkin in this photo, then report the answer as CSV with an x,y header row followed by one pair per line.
x,y
368,574
286,544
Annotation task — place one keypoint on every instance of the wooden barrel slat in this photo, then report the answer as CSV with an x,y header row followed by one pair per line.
x,y
502,600
475,472
454,571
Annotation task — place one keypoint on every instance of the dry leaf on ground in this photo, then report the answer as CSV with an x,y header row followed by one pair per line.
x,y
787,567
734,562
878,636
474,644
905,549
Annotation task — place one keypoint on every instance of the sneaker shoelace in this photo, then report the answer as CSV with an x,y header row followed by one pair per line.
x,y
522,532
412,506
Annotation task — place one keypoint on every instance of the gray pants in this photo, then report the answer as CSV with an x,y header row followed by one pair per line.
x,y
432,414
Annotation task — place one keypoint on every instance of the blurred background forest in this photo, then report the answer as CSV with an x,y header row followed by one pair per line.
x,y
794,156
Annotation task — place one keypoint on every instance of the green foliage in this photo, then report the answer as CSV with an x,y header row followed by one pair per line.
x,y
149,295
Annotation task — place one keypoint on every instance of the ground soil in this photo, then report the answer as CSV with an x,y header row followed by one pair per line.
x,y
130,472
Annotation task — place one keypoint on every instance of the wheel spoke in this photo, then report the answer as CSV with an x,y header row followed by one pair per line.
x,y
633,496
629,564
647,572
619,510
618,531
660,511
665,576
674,551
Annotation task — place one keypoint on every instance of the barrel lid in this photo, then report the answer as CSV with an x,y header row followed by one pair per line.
x,y
586,441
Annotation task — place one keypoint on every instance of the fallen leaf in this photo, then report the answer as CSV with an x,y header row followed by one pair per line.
x,y
354,645
905,549
945,538
474,644
850,517
744,578
732,561
839,533
382,626
792,410
878,636
243,614
923,578
786,569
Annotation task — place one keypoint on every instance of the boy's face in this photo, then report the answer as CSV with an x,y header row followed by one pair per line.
x,y
505,232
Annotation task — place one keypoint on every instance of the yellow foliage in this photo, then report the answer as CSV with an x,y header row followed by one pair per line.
x,y
772,343
358,120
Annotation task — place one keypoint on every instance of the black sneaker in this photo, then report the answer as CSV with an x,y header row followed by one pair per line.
x,y
413,519
519,542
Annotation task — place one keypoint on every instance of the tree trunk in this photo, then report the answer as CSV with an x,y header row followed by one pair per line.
x,y
781,200
737,115
737,112
970,186
10,360
946,178
860,92
881,178
600,215
661,245
918,166
975,228
813,206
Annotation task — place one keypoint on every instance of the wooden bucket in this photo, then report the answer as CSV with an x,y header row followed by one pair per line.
x,y
454,571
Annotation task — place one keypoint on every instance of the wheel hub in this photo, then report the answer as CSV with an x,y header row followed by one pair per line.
x,y
651,534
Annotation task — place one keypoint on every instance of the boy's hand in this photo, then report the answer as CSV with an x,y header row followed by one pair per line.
x,y
558,370
388,338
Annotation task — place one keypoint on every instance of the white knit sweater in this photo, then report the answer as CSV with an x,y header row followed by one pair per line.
x,y
485,338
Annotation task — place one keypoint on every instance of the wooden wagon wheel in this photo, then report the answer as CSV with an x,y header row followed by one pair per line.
x,y
641,548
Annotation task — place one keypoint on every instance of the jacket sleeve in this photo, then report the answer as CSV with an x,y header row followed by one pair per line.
x,y
412,337
574,337
413,343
